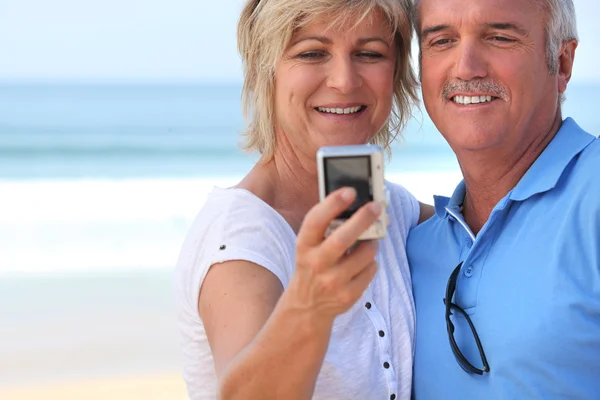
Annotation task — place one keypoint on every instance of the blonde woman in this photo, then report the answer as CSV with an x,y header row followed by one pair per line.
x,y
269,309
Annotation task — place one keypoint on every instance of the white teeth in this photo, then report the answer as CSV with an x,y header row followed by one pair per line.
x,y
466,100
349,110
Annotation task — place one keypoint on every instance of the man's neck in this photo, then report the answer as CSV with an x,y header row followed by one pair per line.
x,y
489,177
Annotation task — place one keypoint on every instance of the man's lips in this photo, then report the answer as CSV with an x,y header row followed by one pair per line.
x,y
468,99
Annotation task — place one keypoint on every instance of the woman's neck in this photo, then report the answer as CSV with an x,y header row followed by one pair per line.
x,y
287,183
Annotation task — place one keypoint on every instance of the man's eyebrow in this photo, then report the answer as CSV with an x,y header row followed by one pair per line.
x,y
507,26
433,29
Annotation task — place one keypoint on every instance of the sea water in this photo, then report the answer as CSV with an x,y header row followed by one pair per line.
x,y
104,177
98,187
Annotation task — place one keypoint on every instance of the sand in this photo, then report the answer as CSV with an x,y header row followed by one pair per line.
x,y
90,336
162,387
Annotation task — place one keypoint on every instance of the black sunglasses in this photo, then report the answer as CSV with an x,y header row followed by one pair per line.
x,y
460,358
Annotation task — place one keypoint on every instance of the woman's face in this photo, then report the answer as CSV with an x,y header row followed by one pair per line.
x,y
335,87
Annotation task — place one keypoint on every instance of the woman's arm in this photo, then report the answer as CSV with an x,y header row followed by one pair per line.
x,y
268,343
261,349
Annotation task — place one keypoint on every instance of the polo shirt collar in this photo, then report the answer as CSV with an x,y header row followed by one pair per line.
x,y
545,172
542,176
442,204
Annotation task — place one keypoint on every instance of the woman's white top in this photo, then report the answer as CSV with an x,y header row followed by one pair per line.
x,y
370,354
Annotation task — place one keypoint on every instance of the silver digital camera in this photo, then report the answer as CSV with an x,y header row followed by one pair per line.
x,y
360,167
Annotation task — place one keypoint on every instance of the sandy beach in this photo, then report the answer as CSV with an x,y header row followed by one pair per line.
x,y
160,387
109,335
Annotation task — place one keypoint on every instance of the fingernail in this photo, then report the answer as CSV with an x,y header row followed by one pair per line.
x,y
348,194
375,208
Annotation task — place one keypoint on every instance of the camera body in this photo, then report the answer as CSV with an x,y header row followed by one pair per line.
x,y
360,167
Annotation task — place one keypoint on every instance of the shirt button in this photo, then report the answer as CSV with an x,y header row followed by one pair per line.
x,y
381,333
469,271
368,305
393,397
386,365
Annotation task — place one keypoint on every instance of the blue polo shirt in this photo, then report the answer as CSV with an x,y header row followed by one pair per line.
x,y
530,282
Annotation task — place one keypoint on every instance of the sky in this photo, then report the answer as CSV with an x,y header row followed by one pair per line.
x,y
158,41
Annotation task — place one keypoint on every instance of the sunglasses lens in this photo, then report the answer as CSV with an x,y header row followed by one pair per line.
x,y
460,358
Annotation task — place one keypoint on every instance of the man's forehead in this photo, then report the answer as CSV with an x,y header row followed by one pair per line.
x,y
452,12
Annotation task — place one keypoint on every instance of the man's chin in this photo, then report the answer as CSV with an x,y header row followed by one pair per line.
x,y
473,139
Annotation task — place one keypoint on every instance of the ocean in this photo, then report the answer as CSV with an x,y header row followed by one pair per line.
x,y
109,177
98,187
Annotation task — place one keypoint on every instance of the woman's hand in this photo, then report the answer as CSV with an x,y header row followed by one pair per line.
x,y
329,278
255,328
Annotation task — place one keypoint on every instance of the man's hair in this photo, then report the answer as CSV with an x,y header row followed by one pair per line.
x,y
560,21
265,29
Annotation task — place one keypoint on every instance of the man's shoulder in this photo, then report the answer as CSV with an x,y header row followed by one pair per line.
x,y
424,234
586,168
591,153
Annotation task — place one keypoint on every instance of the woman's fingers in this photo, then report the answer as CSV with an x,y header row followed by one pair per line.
x,y
329,278
318,218
346,235
354,263
339,288
359,283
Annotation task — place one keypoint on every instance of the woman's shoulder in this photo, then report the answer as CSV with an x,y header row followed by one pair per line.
x,y
234,224
236,218
403,206
223,202
232,208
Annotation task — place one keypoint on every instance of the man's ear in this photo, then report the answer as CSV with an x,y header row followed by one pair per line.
x,y
566,59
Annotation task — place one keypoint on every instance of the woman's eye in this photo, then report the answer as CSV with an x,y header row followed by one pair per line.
x,y
370,55
310,55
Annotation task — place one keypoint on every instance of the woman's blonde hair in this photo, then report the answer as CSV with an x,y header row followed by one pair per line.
x,y
265,29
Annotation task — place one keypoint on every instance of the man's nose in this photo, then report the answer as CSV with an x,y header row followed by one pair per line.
x,y
344,74
471,62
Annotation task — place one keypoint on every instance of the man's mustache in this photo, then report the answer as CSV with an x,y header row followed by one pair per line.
x,y
478,86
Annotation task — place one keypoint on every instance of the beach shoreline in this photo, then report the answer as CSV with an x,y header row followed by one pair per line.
x,y
147,387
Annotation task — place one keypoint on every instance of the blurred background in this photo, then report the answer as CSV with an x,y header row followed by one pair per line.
x,y
117,117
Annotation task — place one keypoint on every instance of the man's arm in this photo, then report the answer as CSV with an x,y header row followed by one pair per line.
x,y
426,212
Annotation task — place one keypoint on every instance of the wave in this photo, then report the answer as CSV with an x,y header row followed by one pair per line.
x,y
80,225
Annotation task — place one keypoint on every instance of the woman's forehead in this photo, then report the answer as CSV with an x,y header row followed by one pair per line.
x,y
344,22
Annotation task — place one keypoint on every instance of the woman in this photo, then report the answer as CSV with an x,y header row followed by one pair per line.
x,y
269,309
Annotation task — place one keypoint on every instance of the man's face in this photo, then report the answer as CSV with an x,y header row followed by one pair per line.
x,y
484,72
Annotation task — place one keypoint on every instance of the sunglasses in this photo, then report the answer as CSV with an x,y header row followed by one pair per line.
x,y
460,358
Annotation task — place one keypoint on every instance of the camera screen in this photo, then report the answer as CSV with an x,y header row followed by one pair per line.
x,y
350,171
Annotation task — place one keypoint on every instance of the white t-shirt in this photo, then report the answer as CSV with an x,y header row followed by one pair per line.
x,y
370,354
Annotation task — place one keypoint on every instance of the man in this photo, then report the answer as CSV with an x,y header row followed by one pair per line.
x,y
506,274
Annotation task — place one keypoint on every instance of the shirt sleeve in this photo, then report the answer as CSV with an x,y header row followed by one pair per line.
x,y
234,229
405,204
257,239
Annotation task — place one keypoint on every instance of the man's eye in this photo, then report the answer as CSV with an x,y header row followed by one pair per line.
x,y
503,39
441,42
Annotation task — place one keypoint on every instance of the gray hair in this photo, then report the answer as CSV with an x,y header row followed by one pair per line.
x,y
561,26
